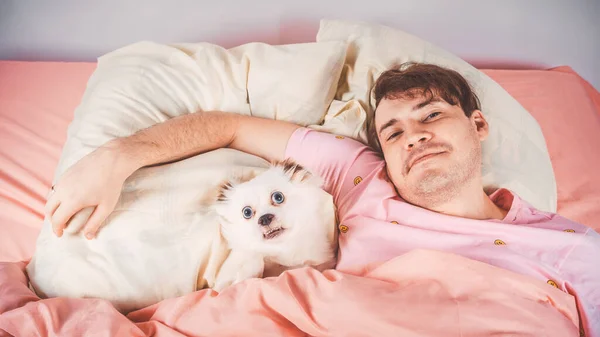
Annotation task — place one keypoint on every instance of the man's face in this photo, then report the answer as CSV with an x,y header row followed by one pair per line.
x,y
431,148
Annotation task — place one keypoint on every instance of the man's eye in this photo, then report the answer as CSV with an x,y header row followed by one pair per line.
x,y
394,135
431,115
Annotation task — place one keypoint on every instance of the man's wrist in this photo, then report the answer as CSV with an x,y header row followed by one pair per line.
x,y
129,156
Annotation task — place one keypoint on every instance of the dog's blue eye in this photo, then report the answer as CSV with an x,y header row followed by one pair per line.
x,y
247,212
277,197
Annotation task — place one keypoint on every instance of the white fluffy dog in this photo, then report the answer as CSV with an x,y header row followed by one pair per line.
x,y
254,226
278,220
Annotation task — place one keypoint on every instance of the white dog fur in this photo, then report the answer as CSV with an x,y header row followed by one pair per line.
x,y
134,263
278,220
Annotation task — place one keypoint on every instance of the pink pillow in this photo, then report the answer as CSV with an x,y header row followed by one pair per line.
x,y
568,111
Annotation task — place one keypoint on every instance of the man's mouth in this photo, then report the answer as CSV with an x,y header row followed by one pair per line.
x,y
423,158
272,233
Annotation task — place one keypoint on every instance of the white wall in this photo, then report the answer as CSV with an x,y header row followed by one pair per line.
x,y
509,33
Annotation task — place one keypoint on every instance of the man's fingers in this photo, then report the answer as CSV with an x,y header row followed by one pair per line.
x,y
63,213
95,222
51,205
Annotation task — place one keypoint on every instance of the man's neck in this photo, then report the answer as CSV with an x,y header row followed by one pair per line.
x,y
471,202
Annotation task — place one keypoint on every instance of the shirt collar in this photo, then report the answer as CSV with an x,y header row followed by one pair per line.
x,y
509,202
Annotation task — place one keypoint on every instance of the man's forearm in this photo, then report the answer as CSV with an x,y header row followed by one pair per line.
x,y
97,179
177,138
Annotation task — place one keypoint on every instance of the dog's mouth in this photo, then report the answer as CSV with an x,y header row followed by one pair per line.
x,y
271,233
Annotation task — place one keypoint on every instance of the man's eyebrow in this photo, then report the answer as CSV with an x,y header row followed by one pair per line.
x,y
387,124
425,103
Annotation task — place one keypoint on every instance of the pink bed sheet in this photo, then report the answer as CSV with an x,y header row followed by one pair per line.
x,y
422,293
37,101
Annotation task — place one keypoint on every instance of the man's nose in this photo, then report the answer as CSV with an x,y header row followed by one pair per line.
x,y
265,219
415,137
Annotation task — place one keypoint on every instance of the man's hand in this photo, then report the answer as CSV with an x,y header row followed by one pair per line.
x,y
95,181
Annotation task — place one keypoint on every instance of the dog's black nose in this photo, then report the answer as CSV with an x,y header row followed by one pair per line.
x,y
265,219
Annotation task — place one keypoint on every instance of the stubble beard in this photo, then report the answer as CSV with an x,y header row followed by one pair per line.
x,y
438,186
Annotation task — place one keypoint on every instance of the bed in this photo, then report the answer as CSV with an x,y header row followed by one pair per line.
x,y
37,101
32,101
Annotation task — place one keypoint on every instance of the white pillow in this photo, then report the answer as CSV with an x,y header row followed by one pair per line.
x,y
158,239
514,155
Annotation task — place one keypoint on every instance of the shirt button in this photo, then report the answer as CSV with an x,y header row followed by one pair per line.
x,y
552,283
339,137
569,230
357,180
343,228
395,222
499,242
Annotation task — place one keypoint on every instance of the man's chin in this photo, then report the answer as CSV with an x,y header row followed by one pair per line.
x,y
425,187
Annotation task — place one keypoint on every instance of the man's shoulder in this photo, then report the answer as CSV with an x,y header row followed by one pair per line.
x,y
329,140
550,220
341,161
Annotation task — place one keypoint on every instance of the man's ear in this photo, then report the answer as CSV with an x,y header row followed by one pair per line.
x,y
483,128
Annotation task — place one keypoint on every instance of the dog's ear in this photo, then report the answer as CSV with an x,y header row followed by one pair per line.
x,y
223,190
297,173
221,203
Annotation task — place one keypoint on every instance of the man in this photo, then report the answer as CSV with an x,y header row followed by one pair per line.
x,y
426,191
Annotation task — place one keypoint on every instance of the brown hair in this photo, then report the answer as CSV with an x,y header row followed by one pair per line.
x,y
412,80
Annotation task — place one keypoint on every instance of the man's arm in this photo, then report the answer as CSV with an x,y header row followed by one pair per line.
x,y
97,179
189,135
